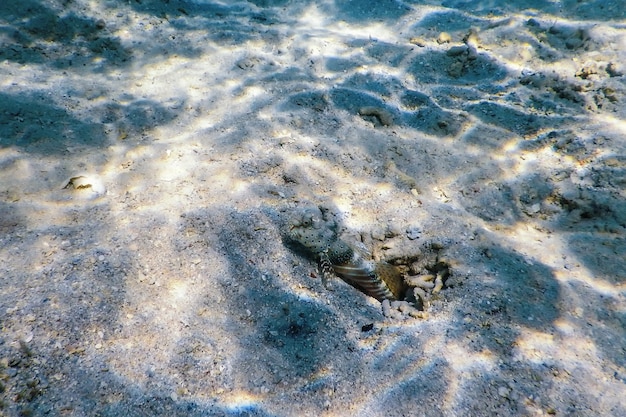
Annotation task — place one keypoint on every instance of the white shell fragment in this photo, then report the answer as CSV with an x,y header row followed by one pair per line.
x,y
87,186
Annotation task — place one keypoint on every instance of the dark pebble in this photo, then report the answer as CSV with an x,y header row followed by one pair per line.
x,y
367,327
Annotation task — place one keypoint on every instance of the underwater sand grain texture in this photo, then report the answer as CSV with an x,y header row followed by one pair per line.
x,y
484,136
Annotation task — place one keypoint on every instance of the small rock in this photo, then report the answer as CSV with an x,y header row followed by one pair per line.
x,y
43,382
417,314
534,209
504,392
613,70
416,267
533,22
405,307
378,234
457,50
395,315
437,245
444,37
418,41
386,306
393,230
413,232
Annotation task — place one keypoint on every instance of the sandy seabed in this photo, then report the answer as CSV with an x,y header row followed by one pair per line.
x,y
151,153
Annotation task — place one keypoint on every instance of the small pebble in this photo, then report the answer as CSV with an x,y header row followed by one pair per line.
x,y
386,306
418,41
378,234
418,314
457,50
395,315
444,37
535,208
405,307
413,232
393,230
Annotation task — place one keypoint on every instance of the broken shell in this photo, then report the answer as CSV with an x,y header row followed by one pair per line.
x,y
86,183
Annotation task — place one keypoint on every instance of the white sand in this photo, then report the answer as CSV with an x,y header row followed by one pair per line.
x,y
150,151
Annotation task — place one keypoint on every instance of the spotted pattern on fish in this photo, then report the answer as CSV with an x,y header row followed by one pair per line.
x,y
317,234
